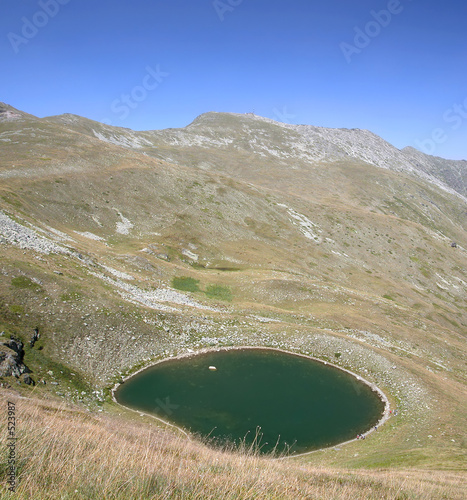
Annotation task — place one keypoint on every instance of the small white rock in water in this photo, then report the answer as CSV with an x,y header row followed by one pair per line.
x,y
213,368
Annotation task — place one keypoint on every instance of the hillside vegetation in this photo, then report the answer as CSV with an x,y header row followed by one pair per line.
x,y
121,248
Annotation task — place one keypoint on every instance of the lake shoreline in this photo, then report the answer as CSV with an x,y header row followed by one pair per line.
x,y
384,417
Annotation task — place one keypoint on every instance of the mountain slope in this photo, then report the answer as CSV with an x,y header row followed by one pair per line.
x,y
452,173
267,139
296,237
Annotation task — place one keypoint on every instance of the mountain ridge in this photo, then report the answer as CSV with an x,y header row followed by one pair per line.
x,y
306,142
310,143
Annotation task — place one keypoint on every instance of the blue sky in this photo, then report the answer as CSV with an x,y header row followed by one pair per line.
x,y
395,67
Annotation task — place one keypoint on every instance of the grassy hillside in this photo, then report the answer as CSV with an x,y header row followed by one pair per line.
x,y
121,253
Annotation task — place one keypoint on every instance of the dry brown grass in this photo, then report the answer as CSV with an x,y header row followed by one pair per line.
x,y
67,453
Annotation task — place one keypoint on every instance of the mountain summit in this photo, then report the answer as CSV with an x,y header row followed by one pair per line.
x,y
280,142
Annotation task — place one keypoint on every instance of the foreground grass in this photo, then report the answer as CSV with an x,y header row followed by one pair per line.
x,y
64,452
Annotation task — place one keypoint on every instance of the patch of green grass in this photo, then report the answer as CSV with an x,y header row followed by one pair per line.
x,y
40,363
453,323
25,283
16,309
196,265
70,297
219,292
10,198
388,297
185,284
425,272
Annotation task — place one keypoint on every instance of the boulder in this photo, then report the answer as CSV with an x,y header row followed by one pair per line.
x,y
11,358
26,378
35,337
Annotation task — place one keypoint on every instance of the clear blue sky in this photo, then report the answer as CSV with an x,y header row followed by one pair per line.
x,y
284,59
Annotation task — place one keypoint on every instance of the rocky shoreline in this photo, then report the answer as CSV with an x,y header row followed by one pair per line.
x,y
383,419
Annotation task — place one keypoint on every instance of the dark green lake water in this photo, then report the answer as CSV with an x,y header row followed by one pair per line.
x,y
297,402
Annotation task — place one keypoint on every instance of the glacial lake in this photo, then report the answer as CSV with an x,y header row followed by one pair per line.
x,y
289,403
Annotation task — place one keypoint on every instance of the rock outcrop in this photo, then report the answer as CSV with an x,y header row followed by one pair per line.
x,y
11,360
